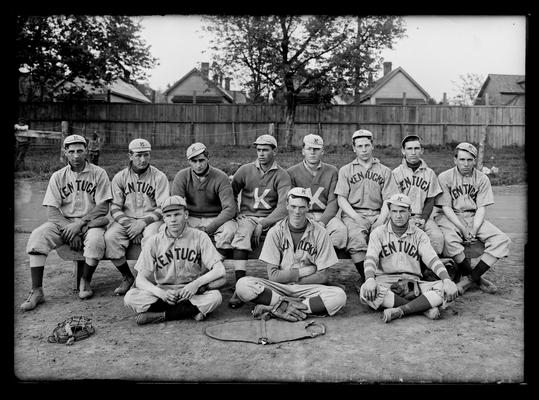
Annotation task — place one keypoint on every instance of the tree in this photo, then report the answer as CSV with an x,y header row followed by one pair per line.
x,y
63,48
323,55
467,88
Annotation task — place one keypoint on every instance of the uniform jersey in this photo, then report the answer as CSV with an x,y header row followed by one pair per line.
x,y
464,193
418,185
175,261
388,253
366,189
211,197
314,247
77,193
321,187
263,194
138,196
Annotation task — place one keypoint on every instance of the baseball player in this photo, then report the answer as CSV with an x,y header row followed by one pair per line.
x,y
178,269
76,195
298,254
94,148
394,251
261,186
466,192
209,197
320,179
362,188
137,193
419,182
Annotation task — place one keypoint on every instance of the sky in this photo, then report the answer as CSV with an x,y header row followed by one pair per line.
x,y
435,51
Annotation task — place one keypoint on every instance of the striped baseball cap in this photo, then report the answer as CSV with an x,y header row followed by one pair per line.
x,y
299,192
470,148
400,199
266,139
362,133
313,141
139,145
173,203
195,149
71,139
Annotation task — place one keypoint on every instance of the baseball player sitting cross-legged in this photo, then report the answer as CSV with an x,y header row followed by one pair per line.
x,y
466,192
320,179
209,197
261,187
392,270
298,254
178,271
137,194
77,196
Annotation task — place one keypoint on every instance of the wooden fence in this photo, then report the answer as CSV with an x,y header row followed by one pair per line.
x,y
167,125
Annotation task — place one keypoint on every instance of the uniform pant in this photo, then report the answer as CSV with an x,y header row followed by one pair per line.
x,y
435,235
333,297
139,300
384,296
358,232
242,236
47,237
337,231
222,236
117,242
496,242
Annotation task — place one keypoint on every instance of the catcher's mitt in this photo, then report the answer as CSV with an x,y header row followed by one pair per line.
x,y
71,330
287,308
406,288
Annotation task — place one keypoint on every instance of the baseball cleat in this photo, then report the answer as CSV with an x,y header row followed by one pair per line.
x,y
392,313
126,284
235,301
85,291
150,318
464,284
35,297
433,313
487,286
199,317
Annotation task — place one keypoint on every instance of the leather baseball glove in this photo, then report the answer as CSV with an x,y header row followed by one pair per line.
x,y
72,330
406,288
287,308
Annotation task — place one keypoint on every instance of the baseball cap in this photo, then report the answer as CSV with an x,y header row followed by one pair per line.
x,y
400,199
313,141
138,145
195,149
409,138
470,148
173,203
299,192
74,139
362,133
266,139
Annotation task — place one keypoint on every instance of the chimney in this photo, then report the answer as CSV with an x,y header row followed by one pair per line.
x,y
387,67
227,83
205,69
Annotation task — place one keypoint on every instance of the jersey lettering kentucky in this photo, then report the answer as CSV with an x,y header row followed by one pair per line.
x,y
399,247
372,176
177,253
141,187
78,185
463,190
413,180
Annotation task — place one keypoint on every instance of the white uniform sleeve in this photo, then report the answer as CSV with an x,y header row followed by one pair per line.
x,y
270,250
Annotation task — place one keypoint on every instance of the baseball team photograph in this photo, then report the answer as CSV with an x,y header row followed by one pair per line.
x,y
322,220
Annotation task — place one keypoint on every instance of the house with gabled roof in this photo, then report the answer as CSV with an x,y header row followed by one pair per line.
x,y
502,90
118,91
196,87
390,87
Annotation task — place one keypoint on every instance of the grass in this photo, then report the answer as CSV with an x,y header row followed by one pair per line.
x,y
42,162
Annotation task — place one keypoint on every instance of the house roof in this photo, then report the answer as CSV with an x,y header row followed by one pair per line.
x,y
209,82
507,84
119,87
385,79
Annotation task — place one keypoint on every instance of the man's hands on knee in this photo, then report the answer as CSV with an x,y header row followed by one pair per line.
x,y
370,288
135,228
450,290
71,230
76,244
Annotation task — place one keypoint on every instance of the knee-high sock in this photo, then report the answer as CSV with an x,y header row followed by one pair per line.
x,y
359,267
317,306
36,273
88,272
264,297
479,270
182,310
418,304
124,269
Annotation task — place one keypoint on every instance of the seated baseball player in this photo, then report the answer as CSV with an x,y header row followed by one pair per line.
x,y
320,179
392,270
77,195
362,188
298,254
178,271
466,193
261,186
137,193
209,197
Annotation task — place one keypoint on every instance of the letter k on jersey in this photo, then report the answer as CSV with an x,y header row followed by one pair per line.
x,y
315,198
259,200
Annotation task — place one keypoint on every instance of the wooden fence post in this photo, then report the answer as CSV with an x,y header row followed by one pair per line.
x,y
481,150
65,132
403,129
234,134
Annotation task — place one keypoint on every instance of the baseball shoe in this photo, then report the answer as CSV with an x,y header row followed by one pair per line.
x,y
35,297
235,301
199,317
464,284
433,313
126,284
85,290
487,286
392,313
150,317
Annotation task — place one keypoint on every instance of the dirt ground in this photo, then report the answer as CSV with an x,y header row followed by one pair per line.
x,y
480,338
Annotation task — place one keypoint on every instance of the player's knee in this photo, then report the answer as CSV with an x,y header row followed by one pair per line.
x,y
334,298
214,298
247,288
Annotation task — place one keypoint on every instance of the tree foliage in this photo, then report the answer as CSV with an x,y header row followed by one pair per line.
x,y
467,88
283,56
65,48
